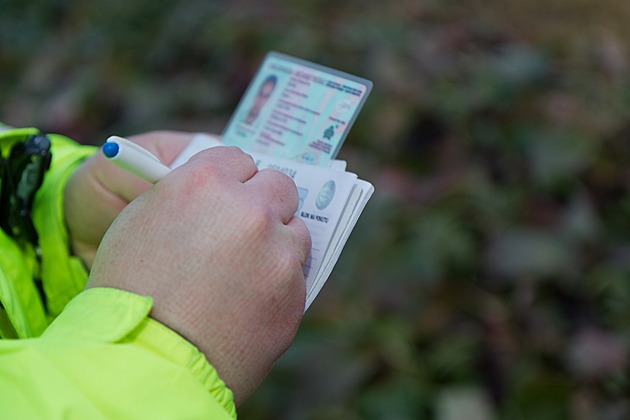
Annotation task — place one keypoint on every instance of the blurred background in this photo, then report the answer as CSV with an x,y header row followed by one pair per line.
x,y
488,278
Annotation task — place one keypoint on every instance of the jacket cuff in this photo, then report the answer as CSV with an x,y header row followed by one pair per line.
x,y
105,315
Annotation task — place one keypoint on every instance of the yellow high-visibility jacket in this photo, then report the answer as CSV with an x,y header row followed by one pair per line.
x,y
87,354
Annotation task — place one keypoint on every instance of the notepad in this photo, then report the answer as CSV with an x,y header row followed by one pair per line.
x,y
294,117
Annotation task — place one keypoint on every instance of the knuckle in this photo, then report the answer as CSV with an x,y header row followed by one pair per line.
x,y
227,157
261,219
205,173
197,178
281,179
234,152
284,186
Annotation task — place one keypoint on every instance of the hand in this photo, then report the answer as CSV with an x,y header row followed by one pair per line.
x,y
217,246
98,190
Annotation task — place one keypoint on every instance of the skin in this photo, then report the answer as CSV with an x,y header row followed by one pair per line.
x,y
215,243
99,190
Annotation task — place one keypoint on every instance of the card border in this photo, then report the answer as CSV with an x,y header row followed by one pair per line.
x,y
367,83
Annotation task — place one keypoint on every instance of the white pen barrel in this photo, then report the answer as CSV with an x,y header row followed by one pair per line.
x,y
146,169
135,159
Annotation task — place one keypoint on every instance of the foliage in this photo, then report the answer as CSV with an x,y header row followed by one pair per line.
x,y
488,278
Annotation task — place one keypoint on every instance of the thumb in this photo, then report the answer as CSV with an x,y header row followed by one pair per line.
x,y
165,145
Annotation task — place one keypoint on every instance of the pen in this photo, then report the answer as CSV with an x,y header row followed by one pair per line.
x,y
134,159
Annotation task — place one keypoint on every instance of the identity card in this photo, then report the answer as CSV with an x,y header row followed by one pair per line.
x,y
297,110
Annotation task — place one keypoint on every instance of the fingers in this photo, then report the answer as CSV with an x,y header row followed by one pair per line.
x,y
228,161
278,191
301,238
165,145
275,189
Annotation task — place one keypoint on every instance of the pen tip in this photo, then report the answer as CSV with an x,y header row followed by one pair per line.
x,y
110,149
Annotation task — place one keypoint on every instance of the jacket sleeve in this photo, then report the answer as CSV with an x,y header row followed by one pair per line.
x,y
63,274
103,357
27,305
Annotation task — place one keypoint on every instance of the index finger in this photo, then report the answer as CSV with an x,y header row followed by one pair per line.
x,y
228,160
